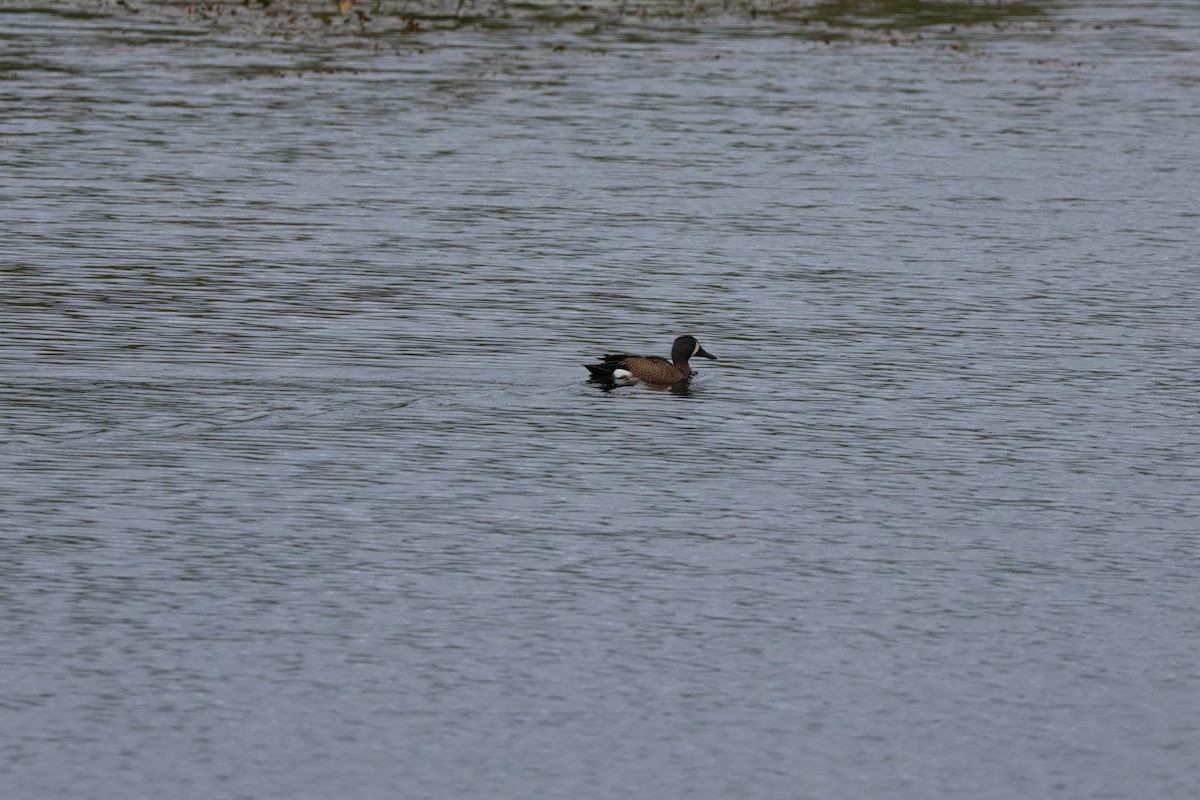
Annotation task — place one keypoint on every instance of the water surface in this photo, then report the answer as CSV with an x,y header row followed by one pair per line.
x,y
306,494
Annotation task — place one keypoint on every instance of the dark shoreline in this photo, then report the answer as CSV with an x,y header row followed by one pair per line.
x,y
879,21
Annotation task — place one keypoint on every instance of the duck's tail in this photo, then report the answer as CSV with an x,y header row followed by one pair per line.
x,y
604,370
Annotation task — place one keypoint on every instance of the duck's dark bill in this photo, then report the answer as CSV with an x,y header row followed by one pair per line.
x,y
706,354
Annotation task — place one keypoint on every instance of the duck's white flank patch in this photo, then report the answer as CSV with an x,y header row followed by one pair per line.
x,y
622,374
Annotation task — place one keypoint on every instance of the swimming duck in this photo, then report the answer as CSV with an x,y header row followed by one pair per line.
x,y
651,369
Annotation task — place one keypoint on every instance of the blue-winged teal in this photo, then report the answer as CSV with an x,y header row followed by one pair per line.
x,y
651,369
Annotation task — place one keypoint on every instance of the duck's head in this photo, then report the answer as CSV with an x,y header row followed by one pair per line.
x,y
686,347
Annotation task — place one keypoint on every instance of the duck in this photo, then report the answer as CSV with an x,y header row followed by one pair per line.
x,y
651,369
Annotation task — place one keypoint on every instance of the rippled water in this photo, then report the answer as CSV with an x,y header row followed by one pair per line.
x,y
306,494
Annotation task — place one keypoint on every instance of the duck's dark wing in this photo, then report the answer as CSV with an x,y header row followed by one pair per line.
x,y
608,363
